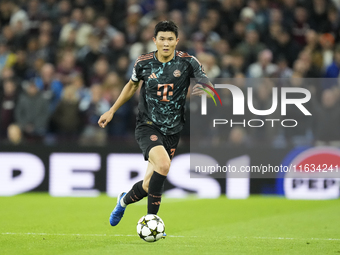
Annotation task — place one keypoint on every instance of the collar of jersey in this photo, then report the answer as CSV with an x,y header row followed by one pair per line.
x,y
154,55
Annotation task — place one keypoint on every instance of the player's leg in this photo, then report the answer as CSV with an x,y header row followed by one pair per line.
x,y
135,194
139,189
147,176
160,161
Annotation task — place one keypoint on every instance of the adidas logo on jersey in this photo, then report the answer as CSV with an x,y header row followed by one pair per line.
x,y
152,76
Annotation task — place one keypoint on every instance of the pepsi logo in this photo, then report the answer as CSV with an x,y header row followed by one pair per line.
x,y
315,175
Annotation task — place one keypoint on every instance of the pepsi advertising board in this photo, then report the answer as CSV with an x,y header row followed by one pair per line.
x,y
315,175
64,171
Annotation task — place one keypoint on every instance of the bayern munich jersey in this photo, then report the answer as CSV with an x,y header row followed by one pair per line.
x,y
163,93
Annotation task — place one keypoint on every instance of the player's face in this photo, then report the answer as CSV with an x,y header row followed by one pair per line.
x,y
166,43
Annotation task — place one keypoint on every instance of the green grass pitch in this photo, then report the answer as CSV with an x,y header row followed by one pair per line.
x,y
35,223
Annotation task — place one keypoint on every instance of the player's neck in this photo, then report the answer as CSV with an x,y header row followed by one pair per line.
x,y
164,59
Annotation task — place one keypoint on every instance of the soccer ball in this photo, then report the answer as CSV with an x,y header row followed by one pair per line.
x,y
150,228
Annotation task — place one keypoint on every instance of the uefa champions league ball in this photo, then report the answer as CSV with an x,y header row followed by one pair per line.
x,y
150,228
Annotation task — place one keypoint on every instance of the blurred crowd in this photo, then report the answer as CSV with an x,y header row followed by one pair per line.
x,y
63,63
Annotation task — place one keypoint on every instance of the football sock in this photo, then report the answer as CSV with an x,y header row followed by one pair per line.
x,y
134,195
155,192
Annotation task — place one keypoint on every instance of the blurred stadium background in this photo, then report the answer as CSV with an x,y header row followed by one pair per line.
x,y
63,63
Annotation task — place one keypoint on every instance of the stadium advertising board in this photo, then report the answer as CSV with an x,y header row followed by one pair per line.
x,y
87,172
315,175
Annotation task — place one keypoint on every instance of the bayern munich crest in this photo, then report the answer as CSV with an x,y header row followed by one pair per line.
x,y
153,138
177,73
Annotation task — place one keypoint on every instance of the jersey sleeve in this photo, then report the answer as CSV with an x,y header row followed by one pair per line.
x,y
197,69
136,75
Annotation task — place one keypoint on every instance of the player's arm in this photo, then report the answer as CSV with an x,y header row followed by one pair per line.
x,y
199,90
127,92
199,74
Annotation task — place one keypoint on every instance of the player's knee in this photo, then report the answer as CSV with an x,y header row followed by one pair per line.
x,y
163,167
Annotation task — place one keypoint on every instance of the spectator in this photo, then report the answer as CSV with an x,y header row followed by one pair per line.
x,y
287,47
34,69
251,47
283,71
46,50
210,66
312,70
46,27
10,38
288,10
145,44
35,15
205,33
232,64
121,124
327,44
271,40
64,8
7,73
221,48
122,65
82,30
89,15
319,15
214,18
67,118
7,102
237,137
327,119
100,70
18,16
21,66
132,24
159,11
5,12
333,70
301,134
247,16
300,25
67,68
78,83
191,20
263,100
237,35
116,11
263,67
262,14
32,113
14,134
32,49
92,109
51,9
228,15
50,87
7,58
333,23
117,49
312,46
104,31
91,54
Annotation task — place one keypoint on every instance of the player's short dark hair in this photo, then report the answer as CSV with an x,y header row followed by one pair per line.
x,y
166,26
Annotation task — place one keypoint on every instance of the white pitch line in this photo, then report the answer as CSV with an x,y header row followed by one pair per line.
x,y
228,237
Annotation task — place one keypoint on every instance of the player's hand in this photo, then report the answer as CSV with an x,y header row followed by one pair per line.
x,y
105,119
197,90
